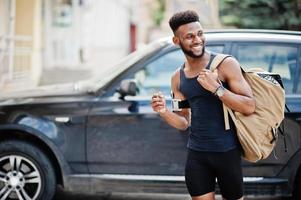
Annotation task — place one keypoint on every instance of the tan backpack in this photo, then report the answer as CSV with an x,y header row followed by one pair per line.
x,y
257,132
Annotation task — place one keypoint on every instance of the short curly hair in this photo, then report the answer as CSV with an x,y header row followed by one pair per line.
x,y
182,18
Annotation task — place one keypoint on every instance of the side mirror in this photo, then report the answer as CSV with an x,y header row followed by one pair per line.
x,y
128,87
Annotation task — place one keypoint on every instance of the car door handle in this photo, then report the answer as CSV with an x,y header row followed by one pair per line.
x,y
75,120
62,119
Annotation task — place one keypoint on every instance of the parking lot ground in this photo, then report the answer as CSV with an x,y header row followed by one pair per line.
x,y
63,195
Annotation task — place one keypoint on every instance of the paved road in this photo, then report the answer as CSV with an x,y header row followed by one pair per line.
x,y
62,195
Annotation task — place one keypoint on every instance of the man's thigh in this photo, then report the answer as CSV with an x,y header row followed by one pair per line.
x,y
229,175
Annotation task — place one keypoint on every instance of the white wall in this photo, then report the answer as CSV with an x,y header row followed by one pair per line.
x,y
105,31
3,16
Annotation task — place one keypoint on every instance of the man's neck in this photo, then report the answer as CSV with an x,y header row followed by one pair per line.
x,y
197,63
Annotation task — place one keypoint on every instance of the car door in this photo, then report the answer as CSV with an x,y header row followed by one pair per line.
x,y
126,136
281,58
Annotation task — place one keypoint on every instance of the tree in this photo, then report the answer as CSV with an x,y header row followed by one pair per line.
x,y
158,13
271,14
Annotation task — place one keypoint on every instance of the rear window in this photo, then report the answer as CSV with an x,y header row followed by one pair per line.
x,y
275,58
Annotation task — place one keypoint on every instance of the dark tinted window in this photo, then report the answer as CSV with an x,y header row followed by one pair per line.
x,y
298,78
156,76
215,48
273,58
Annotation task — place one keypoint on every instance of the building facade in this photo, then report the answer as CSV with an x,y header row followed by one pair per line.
x,y
20,43
40,40
53,41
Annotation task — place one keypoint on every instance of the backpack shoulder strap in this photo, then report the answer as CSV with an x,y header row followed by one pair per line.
x,y
217,60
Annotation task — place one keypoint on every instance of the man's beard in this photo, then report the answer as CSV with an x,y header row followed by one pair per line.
x,y
190,53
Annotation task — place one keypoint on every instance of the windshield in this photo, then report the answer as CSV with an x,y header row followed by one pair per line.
x,y
102,78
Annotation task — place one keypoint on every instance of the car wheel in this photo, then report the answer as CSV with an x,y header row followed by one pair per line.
x,y
297,185
25,172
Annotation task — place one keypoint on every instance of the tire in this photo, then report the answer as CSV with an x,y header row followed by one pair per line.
x,y
26,173
297,186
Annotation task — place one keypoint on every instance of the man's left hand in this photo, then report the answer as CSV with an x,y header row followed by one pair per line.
x,y
209,80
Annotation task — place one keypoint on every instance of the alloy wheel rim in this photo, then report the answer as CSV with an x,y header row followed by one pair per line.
x,y
19,178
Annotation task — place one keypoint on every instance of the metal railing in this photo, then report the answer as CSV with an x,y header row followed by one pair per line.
x,y
15,59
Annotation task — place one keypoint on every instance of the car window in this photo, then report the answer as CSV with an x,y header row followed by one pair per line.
x,y
273,58
298,78
215,48
156,75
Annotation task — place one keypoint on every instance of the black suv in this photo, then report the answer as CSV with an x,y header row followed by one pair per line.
x,y
102,135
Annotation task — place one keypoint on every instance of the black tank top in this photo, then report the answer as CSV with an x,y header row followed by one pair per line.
x,y
207,130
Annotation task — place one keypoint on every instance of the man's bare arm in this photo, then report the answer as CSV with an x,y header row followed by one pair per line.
x,y
239,97
179,119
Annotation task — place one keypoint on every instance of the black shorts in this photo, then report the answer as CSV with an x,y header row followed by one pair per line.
x,y
204,168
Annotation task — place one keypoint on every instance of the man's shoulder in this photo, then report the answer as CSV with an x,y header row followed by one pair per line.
x,y
230,67
176,73
229,60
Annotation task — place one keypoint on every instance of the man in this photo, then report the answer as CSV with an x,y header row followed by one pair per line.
x,y
213,152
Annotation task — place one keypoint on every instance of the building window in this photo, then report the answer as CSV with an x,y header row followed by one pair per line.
x,y
62,13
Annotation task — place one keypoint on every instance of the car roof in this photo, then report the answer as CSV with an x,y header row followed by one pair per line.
x,y
254,35
250,35
263,31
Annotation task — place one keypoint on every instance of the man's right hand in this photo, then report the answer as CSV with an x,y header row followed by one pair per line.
x,y
158,103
